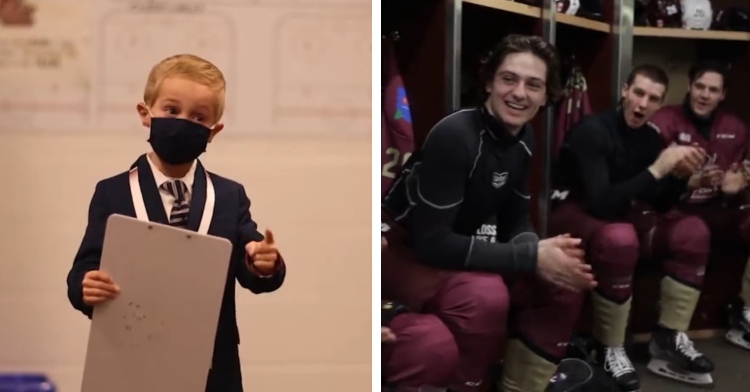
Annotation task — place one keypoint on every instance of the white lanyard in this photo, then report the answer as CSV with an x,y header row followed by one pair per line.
x,y
140,206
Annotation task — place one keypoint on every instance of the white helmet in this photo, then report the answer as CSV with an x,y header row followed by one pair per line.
x,y
697,14
569,7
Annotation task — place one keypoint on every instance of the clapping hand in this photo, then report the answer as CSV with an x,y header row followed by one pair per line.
x,y
560,261
681,161
734,180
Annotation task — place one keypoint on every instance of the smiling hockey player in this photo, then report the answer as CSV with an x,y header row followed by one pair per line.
x,y
718,193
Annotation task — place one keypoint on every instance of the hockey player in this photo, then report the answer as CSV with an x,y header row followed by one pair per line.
x,y
718,193
471,176
405,333
614,171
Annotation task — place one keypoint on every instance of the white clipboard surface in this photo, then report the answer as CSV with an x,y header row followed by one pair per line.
x,y
158,334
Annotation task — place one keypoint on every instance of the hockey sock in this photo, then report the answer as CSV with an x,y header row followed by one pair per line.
x,y
677,304
524,371
610,320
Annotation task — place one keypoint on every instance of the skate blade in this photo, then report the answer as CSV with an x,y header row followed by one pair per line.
x,y
737,338
663,368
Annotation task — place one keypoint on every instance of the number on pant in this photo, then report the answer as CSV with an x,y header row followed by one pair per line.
x,y
390,167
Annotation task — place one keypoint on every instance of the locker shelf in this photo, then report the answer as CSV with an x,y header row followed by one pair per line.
x,y
583,23
536,12
509,6
691,34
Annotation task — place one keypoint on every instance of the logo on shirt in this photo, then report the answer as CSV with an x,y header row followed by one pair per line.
x,y
725,136
684,137
402,106
487,233
499,179
559,194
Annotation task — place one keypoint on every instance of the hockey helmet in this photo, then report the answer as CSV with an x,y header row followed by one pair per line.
x,y
697,14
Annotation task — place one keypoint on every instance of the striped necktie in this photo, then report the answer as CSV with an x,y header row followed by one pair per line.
x,y
181,207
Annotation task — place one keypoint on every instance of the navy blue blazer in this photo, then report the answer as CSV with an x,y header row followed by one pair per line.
x,y
231,220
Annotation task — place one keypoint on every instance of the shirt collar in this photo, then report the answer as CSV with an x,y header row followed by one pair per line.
x,y
160,178
623,125
498,130
697,121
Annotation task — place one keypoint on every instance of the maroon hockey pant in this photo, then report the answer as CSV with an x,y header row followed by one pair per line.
x,y
613,248
463,318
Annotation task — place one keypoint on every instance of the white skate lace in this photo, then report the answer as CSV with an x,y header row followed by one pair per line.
x,y
616,361
685,346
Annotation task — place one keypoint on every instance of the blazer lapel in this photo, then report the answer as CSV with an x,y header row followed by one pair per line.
x,y
197,199
151,196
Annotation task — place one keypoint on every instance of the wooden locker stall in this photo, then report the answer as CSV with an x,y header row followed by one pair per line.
x,y
441,44
676,50
419,29
485,22
591,44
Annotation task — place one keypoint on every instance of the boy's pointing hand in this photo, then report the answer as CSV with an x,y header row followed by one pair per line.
x,y
264,254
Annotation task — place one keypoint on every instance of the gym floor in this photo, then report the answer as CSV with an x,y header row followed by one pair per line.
x,y
732,368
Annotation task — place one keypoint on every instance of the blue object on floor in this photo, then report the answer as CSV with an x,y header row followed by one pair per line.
x,y
25,382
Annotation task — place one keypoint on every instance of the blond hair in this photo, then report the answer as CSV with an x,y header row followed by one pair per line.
x,y
190,67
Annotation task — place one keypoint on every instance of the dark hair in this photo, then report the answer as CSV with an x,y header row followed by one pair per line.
x,y
700,68
651,71
516,43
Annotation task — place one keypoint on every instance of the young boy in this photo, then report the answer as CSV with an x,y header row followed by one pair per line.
x,y
182,104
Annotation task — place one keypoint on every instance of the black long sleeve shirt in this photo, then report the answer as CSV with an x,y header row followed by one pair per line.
x,y
607,161
469,171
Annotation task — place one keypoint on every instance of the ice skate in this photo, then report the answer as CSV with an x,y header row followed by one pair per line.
x,y
616,363
674,356
739,325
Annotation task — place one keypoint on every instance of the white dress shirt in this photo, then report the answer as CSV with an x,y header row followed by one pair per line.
x,y
166,198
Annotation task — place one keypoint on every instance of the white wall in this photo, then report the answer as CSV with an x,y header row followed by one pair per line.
x,y
297,136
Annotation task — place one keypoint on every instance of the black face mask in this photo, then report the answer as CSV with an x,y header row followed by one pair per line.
x,y
178,141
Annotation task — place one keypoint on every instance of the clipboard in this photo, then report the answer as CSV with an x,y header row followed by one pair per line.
x,y
158,334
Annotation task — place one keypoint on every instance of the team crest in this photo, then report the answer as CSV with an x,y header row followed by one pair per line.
x,y
499,179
